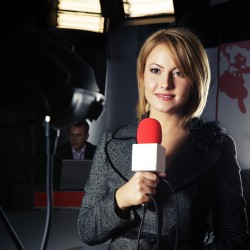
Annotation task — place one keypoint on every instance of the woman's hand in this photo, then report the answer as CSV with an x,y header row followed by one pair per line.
x,y
136,190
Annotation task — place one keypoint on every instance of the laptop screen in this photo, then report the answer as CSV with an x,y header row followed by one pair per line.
x,y
74,174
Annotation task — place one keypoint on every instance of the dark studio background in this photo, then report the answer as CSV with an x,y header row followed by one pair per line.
x,y
113,58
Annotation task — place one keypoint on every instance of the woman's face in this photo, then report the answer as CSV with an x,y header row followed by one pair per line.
x,y
167,89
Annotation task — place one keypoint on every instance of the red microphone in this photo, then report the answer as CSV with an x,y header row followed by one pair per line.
x,y
149,131
148,154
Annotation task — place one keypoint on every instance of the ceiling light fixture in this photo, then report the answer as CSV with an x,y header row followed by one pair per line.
x,y
87,14
80,14
83,21
142,8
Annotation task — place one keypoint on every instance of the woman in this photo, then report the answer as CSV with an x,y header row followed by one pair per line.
x,y
202,172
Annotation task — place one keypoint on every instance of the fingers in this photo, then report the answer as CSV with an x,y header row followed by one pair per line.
x,y
137,190
150,181
147,183
150,176
162,175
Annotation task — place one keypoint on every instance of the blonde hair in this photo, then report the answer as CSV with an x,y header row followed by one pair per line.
x,y
190,57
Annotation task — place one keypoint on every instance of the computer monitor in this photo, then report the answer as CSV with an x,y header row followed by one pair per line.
x,y
74,174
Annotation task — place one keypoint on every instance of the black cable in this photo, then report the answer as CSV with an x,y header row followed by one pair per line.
x,y
141,224
158,235
177,213
158,229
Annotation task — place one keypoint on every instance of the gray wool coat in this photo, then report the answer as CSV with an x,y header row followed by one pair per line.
x,y
205,179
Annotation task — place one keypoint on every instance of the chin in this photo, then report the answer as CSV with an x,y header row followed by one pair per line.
x,y
164,109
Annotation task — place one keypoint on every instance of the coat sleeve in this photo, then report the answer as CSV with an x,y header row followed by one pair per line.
x,y
97,220
230,229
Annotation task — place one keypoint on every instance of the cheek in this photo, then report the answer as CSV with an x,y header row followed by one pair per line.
x,y
150,83
187,94
186,91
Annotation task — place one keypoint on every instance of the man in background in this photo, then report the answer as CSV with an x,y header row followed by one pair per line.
x,y
77,148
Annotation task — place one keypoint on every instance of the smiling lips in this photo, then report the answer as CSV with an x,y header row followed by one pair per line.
x,y
165,97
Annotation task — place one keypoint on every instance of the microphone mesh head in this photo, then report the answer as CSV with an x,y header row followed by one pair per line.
x,y
149,131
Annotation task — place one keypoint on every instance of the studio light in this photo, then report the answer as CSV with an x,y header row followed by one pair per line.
x,y
81,21
144,8
90,15
44,77
80,14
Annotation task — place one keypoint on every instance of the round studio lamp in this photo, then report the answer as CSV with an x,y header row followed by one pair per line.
x,y
44,77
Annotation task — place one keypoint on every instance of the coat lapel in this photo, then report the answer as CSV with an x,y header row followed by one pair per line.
x,y
192,163
119,150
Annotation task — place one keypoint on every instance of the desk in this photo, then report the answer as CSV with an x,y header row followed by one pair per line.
x,y
29,226
63,199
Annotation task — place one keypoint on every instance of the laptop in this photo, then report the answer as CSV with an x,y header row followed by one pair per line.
x,y
74,174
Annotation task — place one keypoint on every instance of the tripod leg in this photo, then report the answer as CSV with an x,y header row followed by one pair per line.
x,y
11,230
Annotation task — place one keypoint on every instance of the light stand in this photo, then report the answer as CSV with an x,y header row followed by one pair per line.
x,y
49,192
43,77
11,230
49,179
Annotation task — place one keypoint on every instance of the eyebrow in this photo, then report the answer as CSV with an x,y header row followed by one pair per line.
x,y
155,64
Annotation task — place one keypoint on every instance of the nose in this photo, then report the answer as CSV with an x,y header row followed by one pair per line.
x,y
74,137
167,83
